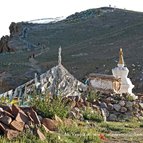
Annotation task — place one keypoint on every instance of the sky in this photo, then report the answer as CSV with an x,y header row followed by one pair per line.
x,y
25,10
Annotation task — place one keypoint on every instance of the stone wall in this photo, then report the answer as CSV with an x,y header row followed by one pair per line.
x,y
120,107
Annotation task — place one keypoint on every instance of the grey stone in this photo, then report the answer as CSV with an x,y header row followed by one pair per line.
x,y
6,120
109,99
130,108
114,101
129,104
134,103
123,109
135,109
141,105
103,105
122,103
110,106
124,117
106,112
117,107
112,117
121,117
116,113
130,114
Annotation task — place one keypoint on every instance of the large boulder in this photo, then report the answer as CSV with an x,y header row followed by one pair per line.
x,y
14,28
4,47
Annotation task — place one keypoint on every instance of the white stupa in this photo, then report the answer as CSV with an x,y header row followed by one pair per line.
x,y
122,72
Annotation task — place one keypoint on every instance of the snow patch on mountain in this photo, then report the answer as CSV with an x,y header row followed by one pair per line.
x,y
47,20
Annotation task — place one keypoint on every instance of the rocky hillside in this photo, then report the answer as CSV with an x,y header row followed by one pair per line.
x,y
90,41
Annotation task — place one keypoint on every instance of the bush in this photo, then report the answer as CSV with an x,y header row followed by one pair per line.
x,y
50,106
93,95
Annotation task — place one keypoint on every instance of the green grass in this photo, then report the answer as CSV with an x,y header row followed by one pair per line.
x,y
120,127
91,115
93,96
90,130
66,134
84,132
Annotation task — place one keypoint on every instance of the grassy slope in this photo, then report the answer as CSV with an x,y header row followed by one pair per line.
x,y
90,132
95,33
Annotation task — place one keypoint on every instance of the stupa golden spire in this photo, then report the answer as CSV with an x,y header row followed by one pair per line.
x,y
121,59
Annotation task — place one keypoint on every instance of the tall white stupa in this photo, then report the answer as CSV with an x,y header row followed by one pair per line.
x,y
122,72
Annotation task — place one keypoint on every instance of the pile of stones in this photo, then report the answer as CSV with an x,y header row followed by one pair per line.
x,y
112,107
15,120
120,107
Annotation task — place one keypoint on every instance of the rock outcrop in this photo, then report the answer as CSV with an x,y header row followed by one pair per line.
x,y
14,29
4,47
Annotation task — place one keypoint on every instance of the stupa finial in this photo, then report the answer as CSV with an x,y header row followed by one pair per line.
x,y
59,56
121,59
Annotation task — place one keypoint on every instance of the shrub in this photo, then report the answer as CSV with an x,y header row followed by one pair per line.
x,y
50,106
93,95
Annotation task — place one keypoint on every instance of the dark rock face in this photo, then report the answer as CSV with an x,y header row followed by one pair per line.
x,y
4,44
14,29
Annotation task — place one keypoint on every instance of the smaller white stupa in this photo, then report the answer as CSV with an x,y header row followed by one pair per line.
x,y
122,72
